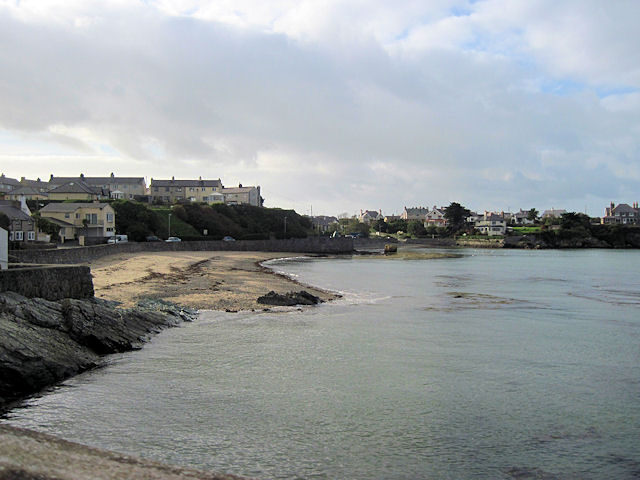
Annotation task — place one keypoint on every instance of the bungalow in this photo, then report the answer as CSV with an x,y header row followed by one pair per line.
x,y
75,219
622,214
22,228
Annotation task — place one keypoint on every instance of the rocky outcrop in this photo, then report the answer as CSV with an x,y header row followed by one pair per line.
x,y
43,342
289,299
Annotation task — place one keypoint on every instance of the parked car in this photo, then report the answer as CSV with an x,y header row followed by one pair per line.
x,y
228,239
173,239
118,239
152,238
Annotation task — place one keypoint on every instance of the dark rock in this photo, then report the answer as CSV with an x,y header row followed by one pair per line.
x,y
43,342
289,299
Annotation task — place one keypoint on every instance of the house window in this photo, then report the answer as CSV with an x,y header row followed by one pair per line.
x,y
66,215
77,216
166,189
109,217
204,189
18,236
31,235
178,189
155,189
191,189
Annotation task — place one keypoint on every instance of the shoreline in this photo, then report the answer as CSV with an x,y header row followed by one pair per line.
x,y
230,281
223,281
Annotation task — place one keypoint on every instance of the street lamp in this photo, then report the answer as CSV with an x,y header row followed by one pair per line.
x,y
169,225
285,227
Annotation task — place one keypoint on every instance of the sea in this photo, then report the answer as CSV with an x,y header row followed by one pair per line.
x,y
433,364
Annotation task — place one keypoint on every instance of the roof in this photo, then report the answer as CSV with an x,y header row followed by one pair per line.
x,y
553,213
416,210
96,180
14,212
186,183
70,207
237,189
25,190
8,181
623,208
75,186
59,222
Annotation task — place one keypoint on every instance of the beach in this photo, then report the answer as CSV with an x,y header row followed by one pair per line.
x,y
227,281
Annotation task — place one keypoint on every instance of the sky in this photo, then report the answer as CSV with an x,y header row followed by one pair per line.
x,y
332,106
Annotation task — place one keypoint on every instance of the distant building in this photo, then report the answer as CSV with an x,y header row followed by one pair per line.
x,y
622,214
322,223
171,191
369,216
391,218
7,184
492,224
77,190
435,217
127,188
521,218
415,213
242,196
553,213
22,228
29,193
75,219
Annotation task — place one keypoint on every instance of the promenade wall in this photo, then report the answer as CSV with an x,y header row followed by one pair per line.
x,y
48,282
74,255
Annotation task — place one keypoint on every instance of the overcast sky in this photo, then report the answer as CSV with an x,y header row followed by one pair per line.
x,y
339,105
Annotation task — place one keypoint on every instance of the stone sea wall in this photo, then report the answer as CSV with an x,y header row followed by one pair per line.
x,y
321,245
48,282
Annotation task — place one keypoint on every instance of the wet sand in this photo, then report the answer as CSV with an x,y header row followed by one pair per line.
x,y
229,281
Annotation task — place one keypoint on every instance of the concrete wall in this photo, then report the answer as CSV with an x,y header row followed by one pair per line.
x,y
322,245
49,282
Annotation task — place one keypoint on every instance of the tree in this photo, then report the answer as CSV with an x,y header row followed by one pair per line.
x,y
5,222
380,225
533,215
416,228
456,216
47,227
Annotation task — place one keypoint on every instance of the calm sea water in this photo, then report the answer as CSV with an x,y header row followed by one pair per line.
x,y
498,364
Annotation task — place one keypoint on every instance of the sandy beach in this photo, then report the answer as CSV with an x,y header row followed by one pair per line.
x,y
229,281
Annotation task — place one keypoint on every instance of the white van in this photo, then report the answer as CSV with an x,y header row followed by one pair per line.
x,y
118,239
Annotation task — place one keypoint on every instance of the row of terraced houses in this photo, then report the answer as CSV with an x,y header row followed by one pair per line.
x,y
83,188
78,204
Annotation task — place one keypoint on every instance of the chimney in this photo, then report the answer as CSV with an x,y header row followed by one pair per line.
x,y
82,176
173,178
112,175
612,205
200,178
51,178
21,179
239,185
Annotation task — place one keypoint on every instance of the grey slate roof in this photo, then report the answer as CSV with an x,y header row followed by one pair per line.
x,y
76,186
186,183
14,212
70,207
9,181
96,180
26,190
